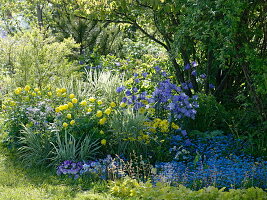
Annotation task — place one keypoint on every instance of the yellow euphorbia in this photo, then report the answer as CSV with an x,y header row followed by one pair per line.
x,y
72,122
70,105
92,99
103,142
69,116
99,113
83,103
123,104
27,88
74,100
65,124
72,96
108,111
102,121
112,104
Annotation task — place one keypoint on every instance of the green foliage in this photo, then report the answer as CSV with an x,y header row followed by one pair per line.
x,y
35,148
103,84
131,189
68,148
65,149
36,58
127,126
210,116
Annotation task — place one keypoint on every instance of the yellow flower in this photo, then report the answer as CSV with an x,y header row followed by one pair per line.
x,y
70,105
49,93
36,89
102,132
69,116
74,100
72,122
27,88
58,90
142,110
102,121
99,113
83,103
92,99
132,192
58,94
123,104
63,90
108,111
99,102
89,110
18,90
57,109
65,124
65,106
103,142
144,102
175,126
72,96
33,94
145,137
61,107
151,110
112,104
39,93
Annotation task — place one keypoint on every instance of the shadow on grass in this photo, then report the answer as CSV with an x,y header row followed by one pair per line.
x,y
18,182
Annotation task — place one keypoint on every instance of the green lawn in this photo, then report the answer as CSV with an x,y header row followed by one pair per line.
x,y
24,184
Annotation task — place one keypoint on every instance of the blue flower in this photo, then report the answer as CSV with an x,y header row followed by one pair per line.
x,y
135,89
203,76
211,86
144,74
128,93
137,80
120,89
194,73
187,67
157,68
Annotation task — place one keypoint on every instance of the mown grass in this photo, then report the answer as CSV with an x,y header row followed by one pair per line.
x,y
24,184
20,183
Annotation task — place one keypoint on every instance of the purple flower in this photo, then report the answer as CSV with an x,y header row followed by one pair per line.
x,y
135,74
194,64
195,97
188,142
120,89
164,74
135,89
187,67
184,86
117,64
203,76
134,98
128,93
184,133
124,99
211,86
194,73
190,85
144,74
137,80
157,68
